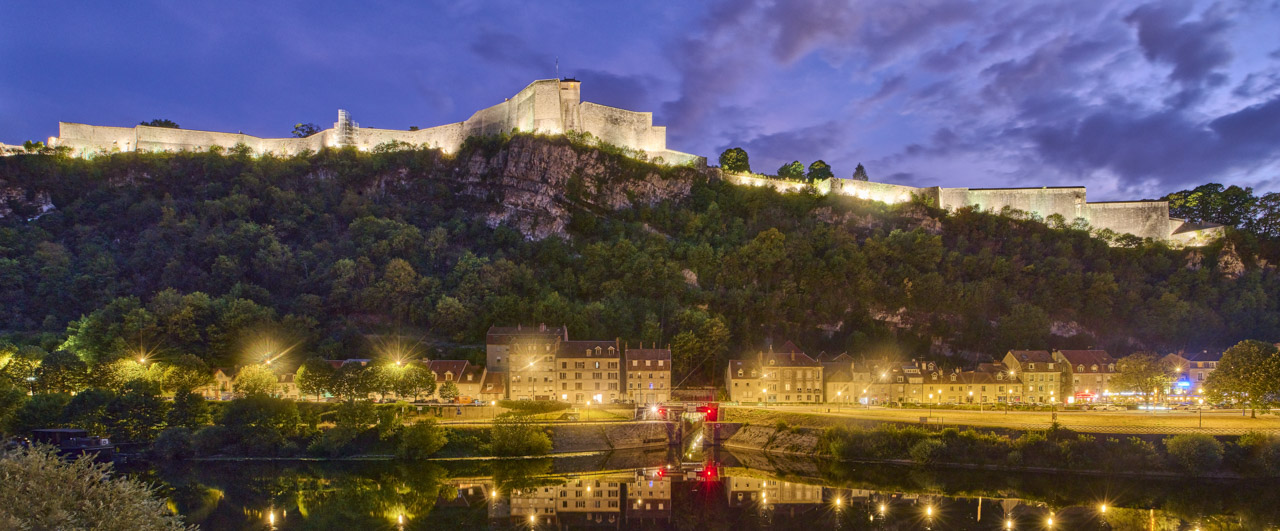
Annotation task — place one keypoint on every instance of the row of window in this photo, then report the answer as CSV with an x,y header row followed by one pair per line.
x,y
577,386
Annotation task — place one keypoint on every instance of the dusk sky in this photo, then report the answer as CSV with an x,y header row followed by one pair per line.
x,y
1132,99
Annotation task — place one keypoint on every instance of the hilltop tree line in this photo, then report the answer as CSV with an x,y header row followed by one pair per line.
x,y
212,255
736,160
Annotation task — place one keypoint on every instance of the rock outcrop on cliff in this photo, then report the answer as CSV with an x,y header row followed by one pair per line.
x,y
532,184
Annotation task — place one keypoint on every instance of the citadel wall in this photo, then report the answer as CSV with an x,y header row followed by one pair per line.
x,y
1068,201
547,106
1144,219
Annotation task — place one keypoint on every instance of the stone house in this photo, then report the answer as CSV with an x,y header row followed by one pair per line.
x,y
220,389
589,371
1192,368
647,372
970,387
286,388
498,340
494,386
532,368
788,375
1089,373
461,373
742,379
1043,378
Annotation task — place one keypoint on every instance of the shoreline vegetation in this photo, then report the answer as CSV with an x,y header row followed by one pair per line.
x,y
1058,450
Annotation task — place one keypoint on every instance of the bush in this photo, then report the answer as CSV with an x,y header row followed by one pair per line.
x,y
211,440
1194,453
1256,454
173,444
514,435
333,442
926,451
421,440
43,491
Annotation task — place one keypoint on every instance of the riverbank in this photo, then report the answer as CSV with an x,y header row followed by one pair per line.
x,y
1217,422
1055,450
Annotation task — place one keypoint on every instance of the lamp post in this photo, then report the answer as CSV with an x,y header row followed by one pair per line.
x,y
838,395
1201,408
930,405
865,400
1008,399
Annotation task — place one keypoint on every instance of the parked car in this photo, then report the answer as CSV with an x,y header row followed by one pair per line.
x,y
1111,407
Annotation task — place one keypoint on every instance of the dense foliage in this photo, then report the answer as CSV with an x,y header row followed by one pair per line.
x,y
229,258
44,491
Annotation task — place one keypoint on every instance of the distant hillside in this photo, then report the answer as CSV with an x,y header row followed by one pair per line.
x,y
217,254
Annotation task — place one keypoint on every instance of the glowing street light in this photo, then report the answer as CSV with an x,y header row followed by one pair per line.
x,y
1102,508
1008,523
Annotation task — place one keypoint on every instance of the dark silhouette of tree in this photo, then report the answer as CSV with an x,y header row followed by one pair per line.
x,y
860,173
161,122
305,130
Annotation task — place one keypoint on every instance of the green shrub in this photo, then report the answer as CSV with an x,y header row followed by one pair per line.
x,y
781,426
333,442
173,443
1194,453
421,440
211,440
516,435
1256,454
927,451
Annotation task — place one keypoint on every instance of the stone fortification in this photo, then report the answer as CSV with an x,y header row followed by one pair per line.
x,y
1144,219
548,106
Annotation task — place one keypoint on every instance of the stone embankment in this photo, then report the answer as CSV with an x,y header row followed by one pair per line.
x,y
769,439
615,436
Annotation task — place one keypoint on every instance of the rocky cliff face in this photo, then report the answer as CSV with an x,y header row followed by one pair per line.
x,y
533,184
18,201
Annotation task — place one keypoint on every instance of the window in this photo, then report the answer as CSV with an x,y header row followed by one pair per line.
x,y
564,365
1031,366
648,363
660,362
740,373
597,365
636,363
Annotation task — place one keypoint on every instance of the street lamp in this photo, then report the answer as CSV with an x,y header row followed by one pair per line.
x,y
838,395
865,401
930,405
1201,408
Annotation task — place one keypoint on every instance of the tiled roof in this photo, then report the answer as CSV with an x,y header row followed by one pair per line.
x,y
828,358
648,354
788,347
501,335
439,367
498,380
1032,356
1212,355
1088,358
789,359
746,366
834,374
587,349
476,373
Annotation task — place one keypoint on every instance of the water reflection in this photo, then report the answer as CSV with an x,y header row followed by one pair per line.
x,y
732,491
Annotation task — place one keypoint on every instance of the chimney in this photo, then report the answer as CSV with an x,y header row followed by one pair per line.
x,y
542,327
793,356
517,326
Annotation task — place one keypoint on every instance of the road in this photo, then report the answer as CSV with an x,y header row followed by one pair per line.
x,y
1214,421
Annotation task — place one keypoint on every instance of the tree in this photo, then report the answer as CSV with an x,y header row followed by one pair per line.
x,y
88,411
61,372
44,491
189,411
116,374
314,377
301,130
351,381
421,440
1232,206
793,170
187,373
415,379
699,348
138,413
161,122
819,170
1249,374
255,380
449,392
860,173
1143,372
735,160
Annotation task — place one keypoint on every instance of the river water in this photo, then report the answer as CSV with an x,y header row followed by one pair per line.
x,y
656,490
